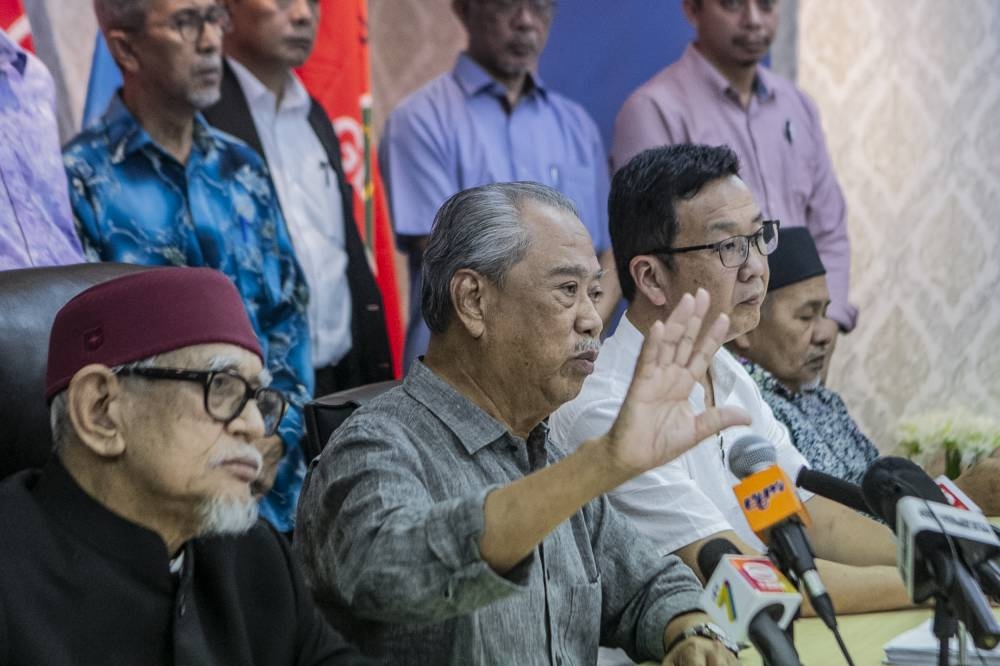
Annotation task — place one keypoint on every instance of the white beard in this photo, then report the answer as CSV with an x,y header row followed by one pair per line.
x,y
221,516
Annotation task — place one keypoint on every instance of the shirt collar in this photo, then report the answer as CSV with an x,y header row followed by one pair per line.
x,y
763,86
126,135
12,53
473,427
473,79
259,96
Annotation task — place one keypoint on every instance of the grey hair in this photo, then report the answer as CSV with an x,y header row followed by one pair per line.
x,y
120,13
479,229
59,421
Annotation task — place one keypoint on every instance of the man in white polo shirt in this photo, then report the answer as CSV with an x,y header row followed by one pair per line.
x,y
681,219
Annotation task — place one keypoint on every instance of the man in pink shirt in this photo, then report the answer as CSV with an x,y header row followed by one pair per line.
x,y
719,93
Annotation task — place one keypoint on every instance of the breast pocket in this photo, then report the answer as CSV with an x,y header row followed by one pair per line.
x,y
582,631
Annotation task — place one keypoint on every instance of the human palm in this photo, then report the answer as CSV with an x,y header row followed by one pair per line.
x,y
656,423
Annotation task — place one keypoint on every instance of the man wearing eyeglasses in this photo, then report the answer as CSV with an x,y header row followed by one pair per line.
x,y
491,119
138,542
682,219
152,183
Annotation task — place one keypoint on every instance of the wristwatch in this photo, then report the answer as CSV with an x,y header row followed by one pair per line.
x,y
705,630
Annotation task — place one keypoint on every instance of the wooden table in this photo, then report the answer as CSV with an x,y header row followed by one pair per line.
x,y
864,634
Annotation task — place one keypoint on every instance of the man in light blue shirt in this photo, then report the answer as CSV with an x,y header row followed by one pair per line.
x,y
152,183
492,119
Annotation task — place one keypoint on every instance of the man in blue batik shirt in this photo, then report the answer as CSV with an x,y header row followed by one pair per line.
x,y
152,183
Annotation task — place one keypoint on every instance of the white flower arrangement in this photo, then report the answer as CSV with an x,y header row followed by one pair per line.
x,y
957,435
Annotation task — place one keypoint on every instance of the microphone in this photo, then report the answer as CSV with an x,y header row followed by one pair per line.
x,y
833,488
775,513
749,598
936,542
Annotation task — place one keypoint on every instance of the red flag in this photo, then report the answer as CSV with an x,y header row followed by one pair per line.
x,y
14,22
338,75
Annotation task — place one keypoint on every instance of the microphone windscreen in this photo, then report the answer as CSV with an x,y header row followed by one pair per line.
x,y
891,478
751,454
712,553
832,488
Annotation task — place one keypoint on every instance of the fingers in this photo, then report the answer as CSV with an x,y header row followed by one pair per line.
x,y
710,344
716,419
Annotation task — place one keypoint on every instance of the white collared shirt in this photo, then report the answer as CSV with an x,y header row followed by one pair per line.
x,y
691,497
312,205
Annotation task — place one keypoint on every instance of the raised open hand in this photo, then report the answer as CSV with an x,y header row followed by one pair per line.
x,y
656,423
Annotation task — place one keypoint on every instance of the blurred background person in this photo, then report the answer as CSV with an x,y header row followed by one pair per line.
x,y
265,104
491,119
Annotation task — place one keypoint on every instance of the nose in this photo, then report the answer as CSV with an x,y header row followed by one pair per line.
x,y
249,424
303,11
210,39
755,266
588,319
751,13
823,331
525,16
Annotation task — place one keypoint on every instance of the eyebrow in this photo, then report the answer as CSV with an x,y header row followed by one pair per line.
x,y
575,270
731,226
219,363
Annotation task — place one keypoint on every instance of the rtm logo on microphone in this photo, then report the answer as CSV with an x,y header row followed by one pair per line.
x,y
761,499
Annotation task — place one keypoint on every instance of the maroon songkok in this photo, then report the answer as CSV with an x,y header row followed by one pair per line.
x,y
143,314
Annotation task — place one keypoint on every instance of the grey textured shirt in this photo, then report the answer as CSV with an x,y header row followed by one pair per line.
x,y
389,524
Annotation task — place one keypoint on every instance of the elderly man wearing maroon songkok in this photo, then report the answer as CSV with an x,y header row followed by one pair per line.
x,y
138,543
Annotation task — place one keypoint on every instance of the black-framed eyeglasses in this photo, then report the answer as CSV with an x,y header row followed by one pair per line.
x,y
226,393
735,250
544,8
190,23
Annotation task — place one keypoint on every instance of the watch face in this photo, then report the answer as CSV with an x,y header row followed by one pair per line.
x,y
714,631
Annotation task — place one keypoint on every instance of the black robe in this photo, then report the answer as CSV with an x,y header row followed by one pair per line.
x,y
81,585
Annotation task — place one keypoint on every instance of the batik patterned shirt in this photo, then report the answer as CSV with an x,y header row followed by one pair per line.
x,y
135,203
820,426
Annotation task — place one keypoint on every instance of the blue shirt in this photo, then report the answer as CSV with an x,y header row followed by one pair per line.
x,y
135,203
456,133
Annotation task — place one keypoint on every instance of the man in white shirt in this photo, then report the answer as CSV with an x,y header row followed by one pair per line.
x,y
681,219
264,104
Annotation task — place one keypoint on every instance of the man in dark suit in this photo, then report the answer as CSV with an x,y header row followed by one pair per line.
x,y
264,104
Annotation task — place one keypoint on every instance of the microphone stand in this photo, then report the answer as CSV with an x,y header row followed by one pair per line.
x,y
945,626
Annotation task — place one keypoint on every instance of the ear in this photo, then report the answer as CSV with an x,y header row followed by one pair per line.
x,y
470,297
650,276
120,44
94,401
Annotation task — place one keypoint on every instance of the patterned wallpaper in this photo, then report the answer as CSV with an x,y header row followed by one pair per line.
x,y
910,100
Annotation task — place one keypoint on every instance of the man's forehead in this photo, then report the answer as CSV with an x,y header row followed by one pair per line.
x,y
724,205
559,241
221,356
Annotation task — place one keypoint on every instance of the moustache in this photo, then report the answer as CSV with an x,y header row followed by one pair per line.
x,y
587,345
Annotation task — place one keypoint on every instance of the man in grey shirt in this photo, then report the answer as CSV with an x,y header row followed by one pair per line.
x,y
441,525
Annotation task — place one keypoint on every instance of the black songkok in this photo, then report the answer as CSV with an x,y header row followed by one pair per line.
x,y
795,260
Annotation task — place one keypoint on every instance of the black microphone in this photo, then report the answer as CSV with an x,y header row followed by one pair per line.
x,y
936,544
748,597
754,457
833,488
